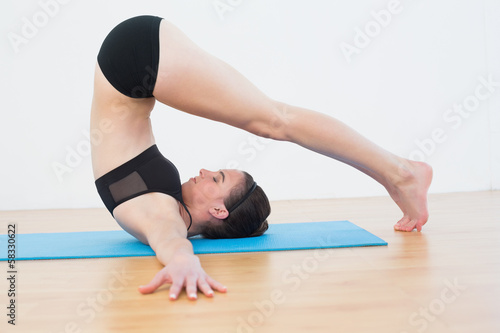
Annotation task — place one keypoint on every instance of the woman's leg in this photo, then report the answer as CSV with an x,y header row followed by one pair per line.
x,y
193,81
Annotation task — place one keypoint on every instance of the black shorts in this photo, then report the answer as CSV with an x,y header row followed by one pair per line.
x,y
148,172
130,54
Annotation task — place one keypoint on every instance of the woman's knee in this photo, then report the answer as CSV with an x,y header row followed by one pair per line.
x,y
277,122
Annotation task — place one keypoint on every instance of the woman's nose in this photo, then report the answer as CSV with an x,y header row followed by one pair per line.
x,y
203,172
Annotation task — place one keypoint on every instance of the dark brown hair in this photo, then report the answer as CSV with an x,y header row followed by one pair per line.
x,y
248,219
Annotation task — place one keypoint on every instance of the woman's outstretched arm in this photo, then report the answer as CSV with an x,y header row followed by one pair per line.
x,y
154,219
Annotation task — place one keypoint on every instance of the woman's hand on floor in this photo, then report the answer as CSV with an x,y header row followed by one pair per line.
x,y
184,270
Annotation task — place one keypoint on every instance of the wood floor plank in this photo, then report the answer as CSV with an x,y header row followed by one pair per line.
x,y
444,279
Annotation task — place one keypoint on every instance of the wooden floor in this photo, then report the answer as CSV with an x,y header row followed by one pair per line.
x,y
444,279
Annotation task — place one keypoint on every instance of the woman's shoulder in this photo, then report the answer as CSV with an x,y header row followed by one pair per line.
x,y
136,216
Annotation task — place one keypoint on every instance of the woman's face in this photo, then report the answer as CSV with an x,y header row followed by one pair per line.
x,y
210,186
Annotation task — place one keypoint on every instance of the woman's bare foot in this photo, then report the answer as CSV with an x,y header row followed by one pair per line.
x,y
409,191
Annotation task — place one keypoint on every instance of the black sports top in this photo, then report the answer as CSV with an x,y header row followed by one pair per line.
x,y
148,172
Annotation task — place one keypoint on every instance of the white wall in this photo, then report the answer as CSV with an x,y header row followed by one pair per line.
x,y
398,88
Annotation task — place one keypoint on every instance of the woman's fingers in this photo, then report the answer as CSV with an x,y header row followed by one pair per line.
x,y
175,289
216,285
205,287
203,284
159,279
191,287
184,274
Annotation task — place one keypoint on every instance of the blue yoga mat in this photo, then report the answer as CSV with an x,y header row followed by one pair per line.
x,y
102,244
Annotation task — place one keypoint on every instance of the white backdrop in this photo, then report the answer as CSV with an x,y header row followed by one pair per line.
x,y
418,77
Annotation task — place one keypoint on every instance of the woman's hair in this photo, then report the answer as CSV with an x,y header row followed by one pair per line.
x,y
249,219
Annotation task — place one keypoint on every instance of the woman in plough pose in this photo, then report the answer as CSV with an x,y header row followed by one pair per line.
x,y
147,59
